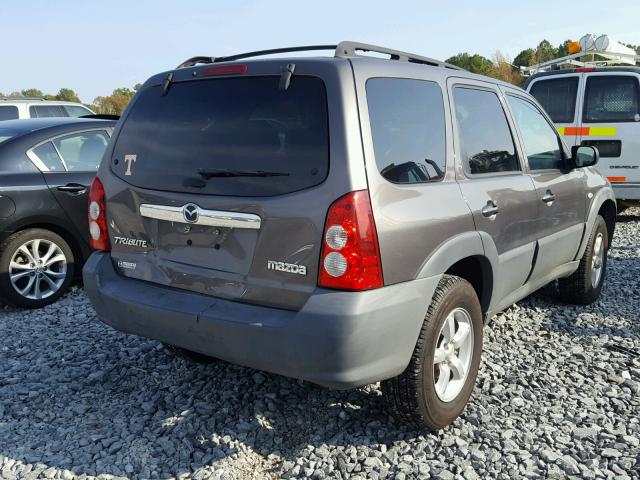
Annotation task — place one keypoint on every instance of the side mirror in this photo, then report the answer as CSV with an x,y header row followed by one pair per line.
x,y
584,156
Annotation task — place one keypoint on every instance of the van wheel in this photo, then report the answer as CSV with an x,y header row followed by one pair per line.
x,y
188,355
435,388
36,268
584,285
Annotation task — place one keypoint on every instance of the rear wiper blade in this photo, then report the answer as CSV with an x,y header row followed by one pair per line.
x,y
221,173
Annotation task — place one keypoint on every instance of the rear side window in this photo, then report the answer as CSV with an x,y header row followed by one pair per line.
x,y
49,157
486,144
611,99
42,111
8,112
557,97
408,129
233,136
82,152
77,110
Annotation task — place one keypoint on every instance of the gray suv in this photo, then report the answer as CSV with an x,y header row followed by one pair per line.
x,y
342,220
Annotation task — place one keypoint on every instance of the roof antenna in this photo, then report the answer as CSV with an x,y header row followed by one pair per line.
x,y
285,78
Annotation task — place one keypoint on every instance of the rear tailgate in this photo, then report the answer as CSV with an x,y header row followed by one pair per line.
x,y
221,185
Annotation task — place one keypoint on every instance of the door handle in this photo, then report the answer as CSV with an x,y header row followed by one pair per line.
x,y
490,209
549,198
73,188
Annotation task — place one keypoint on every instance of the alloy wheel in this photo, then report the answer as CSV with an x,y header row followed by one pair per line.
x,y
38,269
453,355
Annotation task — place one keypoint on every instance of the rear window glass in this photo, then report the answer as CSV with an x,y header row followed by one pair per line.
x,y
77,111
408,129
611,99
557,97
45,111
8,112
235,136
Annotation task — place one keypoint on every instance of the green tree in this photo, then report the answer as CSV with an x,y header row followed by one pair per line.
x,y
32,92
545,52
115,103
524,58
67,95
473,63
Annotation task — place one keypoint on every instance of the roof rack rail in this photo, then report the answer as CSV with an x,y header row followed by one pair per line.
x,y
20,98
344,49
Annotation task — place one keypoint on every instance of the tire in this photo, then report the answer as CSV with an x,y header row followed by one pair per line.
x,y
581,287
188,355
413,395
26,284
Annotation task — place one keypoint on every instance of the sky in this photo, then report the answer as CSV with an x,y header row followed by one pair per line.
x,y
94,47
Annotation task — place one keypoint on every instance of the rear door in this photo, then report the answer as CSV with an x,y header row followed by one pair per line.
x,y
611,122
558,95
221,185
561,202
69,164
498,191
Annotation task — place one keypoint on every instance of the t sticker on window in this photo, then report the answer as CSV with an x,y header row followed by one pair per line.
x,y
129,159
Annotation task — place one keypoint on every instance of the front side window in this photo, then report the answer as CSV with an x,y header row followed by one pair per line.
x,y
558,97
541,143
486,144
49,157
82,152
407,128
45,111
611,99
8,112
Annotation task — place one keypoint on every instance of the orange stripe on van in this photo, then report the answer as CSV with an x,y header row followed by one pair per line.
x,y
617,179
576,131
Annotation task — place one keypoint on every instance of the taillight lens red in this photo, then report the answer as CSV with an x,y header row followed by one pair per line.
x,y
350,257
585,69
98,233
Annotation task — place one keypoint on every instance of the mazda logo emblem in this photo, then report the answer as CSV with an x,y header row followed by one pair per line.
x,y
191,212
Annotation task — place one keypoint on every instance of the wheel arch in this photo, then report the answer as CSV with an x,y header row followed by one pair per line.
x,y
464,256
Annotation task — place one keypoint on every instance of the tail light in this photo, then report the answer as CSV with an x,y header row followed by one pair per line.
x,y
350,257
98,233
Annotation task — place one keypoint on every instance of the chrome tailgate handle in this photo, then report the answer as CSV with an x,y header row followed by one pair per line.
x,y
194,215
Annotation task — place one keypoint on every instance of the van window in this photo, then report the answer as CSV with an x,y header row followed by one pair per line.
x,y
77,111
408,129
611,99
42,111
486,144
541,143
8,112
558,97
219,134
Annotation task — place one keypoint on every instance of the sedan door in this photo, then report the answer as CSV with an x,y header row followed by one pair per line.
x,y
561,193
69,164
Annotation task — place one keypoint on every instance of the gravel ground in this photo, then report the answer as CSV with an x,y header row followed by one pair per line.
x,y
557,396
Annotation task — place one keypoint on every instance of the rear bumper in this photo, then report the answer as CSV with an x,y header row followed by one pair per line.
x,y
338,339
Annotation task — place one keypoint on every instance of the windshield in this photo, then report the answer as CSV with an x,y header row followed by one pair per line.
x,y
245,125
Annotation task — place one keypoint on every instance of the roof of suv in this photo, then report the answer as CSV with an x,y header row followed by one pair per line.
x,y
344,50
35,100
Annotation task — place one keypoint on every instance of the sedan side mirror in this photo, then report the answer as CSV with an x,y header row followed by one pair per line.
x,y
584,156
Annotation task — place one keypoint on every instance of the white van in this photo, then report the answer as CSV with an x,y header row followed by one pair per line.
x,y
13,108
594,103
